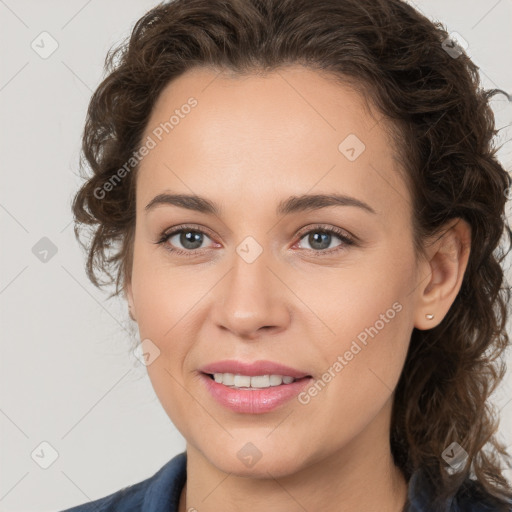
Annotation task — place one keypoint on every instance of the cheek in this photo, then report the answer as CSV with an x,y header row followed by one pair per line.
x,y
165,298
362,366
368,293
162,292
369,350
368,310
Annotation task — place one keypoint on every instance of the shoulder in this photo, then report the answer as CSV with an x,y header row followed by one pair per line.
x,y
471,496
157,493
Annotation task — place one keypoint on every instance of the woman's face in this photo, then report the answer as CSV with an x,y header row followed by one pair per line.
x,y
267,281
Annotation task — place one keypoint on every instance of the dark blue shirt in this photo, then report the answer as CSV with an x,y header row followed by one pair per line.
x,y
161,493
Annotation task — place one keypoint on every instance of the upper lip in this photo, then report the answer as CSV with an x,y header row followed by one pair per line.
x,y
253,369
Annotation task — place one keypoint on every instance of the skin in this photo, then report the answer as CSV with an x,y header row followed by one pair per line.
x,y
248,144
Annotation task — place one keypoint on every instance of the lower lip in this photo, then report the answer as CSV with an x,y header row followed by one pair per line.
x,y
251,400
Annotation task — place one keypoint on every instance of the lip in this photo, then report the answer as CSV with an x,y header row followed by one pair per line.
x,y
253,369
253,400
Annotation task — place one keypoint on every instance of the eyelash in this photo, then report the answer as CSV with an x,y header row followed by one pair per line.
x,y
347,240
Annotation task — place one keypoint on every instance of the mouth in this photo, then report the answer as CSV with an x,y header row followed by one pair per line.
x,y
253,394
252,387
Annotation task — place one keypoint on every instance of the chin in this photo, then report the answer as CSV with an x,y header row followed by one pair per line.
x,y
249,461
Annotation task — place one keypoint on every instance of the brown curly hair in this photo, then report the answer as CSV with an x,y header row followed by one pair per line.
x,y
443,127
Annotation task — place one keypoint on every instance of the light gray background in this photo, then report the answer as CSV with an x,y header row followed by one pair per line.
x,y
67,376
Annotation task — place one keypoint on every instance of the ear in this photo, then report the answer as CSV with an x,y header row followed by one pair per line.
x,y
129,297
440,274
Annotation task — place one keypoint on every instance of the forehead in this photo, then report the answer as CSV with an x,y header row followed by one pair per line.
x,y
284,133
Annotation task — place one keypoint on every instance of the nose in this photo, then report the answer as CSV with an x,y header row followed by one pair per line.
x,y
252,300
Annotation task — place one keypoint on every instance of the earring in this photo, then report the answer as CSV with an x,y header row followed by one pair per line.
x,y
429,316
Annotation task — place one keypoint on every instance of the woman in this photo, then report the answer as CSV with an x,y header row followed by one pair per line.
x,y
307,208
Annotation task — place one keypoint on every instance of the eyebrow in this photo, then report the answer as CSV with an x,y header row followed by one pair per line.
x,y
293,204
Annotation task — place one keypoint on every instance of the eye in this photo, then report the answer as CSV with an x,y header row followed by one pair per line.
x,y
191,238
320,237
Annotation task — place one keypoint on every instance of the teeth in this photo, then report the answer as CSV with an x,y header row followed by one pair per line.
x,y
241,381
246,381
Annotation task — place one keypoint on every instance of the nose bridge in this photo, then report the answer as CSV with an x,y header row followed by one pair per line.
x,y
251,296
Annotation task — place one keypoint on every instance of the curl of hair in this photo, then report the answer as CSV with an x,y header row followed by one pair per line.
x,y
443,128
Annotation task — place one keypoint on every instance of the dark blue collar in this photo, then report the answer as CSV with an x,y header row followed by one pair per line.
x,y
163,492
470,497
